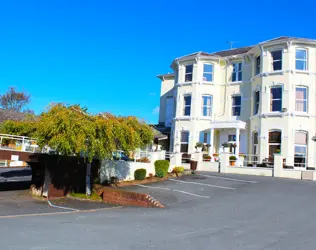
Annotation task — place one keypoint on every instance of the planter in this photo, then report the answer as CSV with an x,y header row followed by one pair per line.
x,y
226,150
193,165
232,163
199,149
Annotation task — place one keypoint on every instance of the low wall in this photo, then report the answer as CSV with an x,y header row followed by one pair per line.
x,y
123,170
309,175
249,171
208,166
291,173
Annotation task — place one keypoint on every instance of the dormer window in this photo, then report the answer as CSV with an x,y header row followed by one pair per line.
x,y
188,73
237,72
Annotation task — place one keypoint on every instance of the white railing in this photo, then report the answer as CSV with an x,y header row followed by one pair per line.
x,y
17,143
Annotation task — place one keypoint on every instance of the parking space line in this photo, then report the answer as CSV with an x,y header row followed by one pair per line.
x,y
226,178
203,184
175,190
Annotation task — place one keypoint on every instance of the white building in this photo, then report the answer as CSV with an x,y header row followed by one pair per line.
x,y
260,97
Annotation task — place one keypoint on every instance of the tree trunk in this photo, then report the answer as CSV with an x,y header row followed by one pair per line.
x,y
88,179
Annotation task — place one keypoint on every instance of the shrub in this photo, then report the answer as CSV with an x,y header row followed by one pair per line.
x,y
140,174
161,168
199,145
143,160
207,157
151,176
232,158
178,170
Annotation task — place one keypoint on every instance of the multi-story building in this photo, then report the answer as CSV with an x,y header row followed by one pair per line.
x,y
261,98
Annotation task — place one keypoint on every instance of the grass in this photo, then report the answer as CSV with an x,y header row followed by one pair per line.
x,y
94,196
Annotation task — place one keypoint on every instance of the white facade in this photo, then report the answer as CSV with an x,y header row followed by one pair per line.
x,y
263,94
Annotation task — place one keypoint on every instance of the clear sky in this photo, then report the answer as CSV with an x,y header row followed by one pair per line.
x,y
106,54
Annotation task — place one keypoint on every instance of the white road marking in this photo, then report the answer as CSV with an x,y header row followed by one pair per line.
x,y
203,184
66,208
175,190
226,178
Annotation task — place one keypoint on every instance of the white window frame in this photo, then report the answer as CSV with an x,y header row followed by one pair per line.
x,y
256,102
274,143
185,105
301,145
278,60
208,73
206,106
304,100
306,60
190,73
237,72
234,106
271,100
185,142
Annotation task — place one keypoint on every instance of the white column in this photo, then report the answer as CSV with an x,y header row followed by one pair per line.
x,y
237,142
211,148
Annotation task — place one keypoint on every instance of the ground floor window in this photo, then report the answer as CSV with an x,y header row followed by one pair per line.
x,y
274,142
255,151
300,149
184,142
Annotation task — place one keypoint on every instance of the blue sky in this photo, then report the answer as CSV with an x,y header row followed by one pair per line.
x,y
106,54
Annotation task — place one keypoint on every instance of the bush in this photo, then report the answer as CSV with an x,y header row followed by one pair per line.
x,y
140,174
143,160
161,168
178,170
232,158
207,157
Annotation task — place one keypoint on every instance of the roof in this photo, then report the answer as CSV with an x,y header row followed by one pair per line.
x,y
232,52
162,76
289,38
10,115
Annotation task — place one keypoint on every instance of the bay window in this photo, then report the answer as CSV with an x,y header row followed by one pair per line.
x,y
187,105
301,59
237,72
276,99
236,105
207,105
256,102
300,149
184,145
276,60
301,99
188,73
274,142
208,72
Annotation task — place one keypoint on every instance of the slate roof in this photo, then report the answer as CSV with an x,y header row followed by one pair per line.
x,y
232,52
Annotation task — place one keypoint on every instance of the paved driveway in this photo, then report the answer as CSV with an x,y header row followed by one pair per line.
x,y
207,211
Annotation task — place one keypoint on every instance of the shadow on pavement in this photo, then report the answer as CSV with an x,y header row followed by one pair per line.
x,y
8,186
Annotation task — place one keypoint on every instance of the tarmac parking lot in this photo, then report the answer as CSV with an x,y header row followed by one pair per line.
x,y
203,211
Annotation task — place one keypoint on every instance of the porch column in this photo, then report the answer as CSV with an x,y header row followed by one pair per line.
x,y
237,142
211,148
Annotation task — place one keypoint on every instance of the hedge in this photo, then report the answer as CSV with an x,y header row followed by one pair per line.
x,y
161,168
140,174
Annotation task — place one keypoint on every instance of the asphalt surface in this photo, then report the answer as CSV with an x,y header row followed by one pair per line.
x,y
208,211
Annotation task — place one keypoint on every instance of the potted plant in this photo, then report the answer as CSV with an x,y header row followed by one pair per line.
x,y
199,146
226,147
278,151
207,157
232,160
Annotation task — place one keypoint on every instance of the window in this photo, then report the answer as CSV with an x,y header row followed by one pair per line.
x,y
258,63
276,60
188,73
255,147
208,72
301,99
205,137
274,142
187,105
256,102
184,148
300,149
301,59
276,99
207,105
236,105
237,72
231,138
